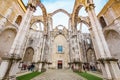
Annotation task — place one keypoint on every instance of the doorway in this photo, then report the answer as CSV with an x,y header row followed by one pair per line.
x,y
59,64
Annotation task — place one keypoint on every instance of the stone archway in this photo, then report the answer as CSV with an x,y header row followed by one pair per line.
x,y
91,56
28,56
60,10
113,40
6,41
91,59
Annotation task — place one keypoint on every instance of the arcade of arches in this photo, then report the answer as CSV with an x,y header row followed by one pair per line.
x,y
26,38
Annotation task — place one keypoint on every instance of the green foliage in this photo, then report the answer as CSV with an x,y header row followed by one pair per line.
x,y
89,76
28,76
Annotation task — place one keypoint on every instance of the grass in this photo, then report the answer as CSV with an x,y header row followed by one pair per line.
x,y
89,76
28,76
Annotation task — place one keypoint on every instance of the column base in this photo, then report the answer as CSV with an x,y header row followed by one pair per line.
x,y
6,65
112,68
3,68
40,67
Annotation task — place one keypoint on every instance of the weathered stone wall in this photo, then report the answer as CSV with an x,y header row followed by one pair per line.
x,y
16,9
110,12
60,40
9,30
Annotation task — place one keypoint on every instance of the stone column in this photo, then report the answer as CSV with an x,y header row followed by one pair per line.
x,y
69,25
94,43
50,28
42,54
50,23
4,19
10,67
79,50
37,47
100,33
112,72
97,38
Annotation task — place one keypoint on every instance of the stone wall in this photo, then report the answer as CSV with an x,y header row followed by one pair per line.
x,y
64,56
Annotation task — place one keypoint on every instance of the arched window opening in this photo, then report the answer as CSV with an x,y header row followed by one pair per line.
x,y
28,55
38,26
88,41
38,12
82,12
18,20
83,28
102,22
60,27
60,19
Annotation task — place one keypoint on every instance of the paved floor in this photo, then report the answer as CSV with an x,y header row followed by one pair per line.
x,y
58,75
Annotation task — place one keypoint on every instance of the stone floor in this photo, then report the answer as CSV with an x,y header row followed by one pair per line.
x,y
58,75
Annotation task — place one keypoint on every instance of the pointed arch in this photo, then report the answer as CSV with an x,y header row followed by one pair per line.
x,y
28,56
44,15
75,15
6,38
60,10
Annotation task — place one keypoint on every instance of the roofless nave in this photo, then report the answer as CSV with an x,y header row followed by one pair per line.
x,y
59,47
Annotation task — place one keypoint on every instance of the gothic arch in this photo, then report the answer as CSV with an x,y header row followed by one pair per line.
x,y
75,14
60,33
60,26
44,15
64,12
35,21
11,28
113,39
84,20
28,56
91,58
60,10
35,24
81,25
6,38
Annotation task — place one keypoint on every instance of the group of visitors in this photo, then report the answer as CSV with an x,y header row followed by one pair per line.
x,y
29,67
87,67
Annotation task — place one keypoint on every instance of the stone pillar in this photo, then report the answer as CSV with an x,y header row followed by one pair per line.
x,y
94,43
37,47
4,19
96,36
100,33
111,72
50,23
50,28
8,68
42,54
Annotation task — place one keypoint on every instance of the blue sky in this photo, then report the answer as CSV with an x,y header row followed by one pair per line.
x,y
56,4
60,18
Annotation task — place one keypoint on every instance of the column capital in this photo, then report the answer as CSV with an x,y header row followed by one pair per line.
x,y
90,7
32,4
90,28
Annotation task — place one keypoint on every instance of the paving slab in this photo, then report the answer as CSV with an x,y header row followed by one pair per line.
x,y
58,75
